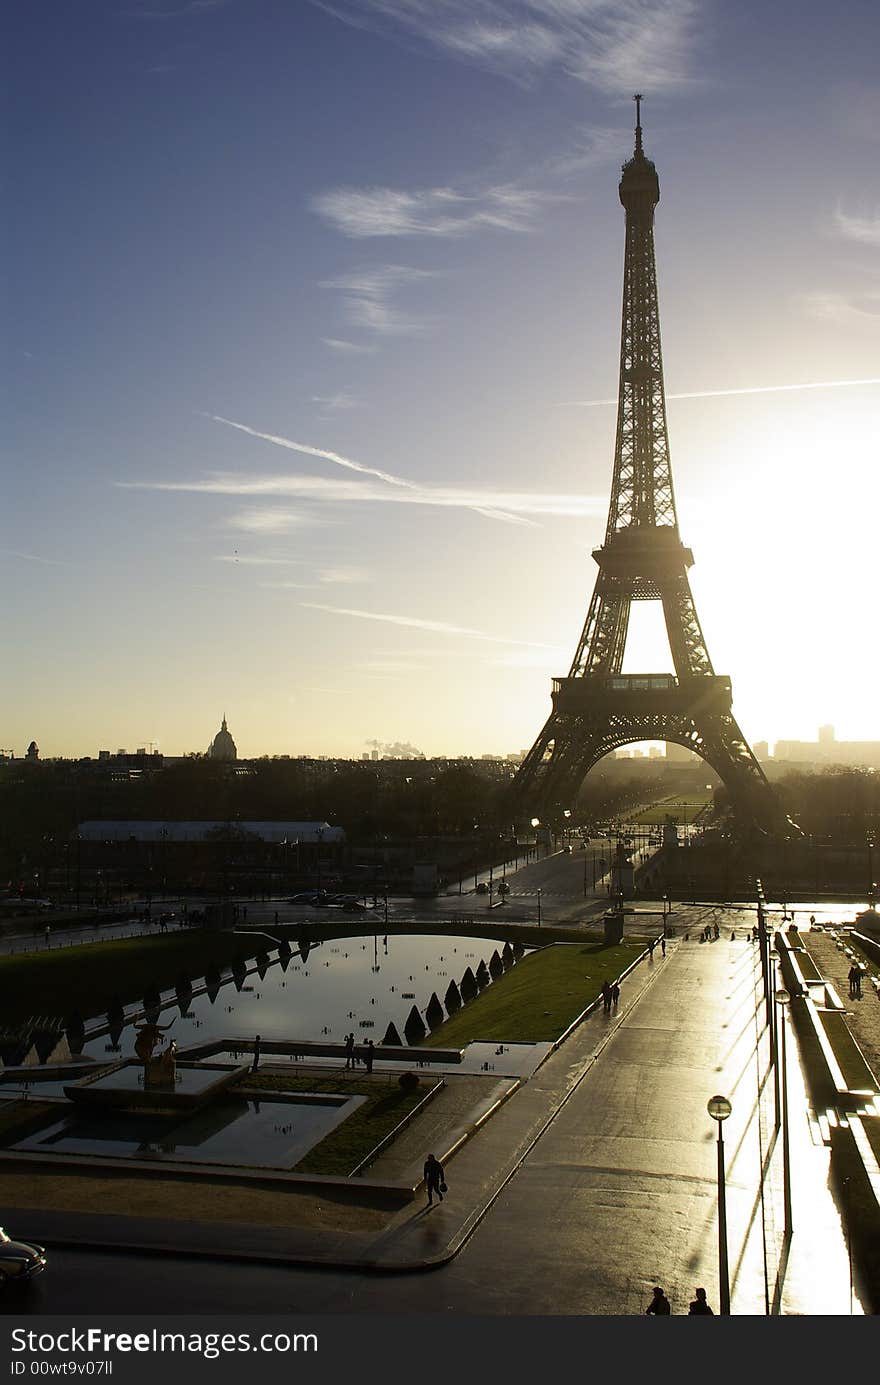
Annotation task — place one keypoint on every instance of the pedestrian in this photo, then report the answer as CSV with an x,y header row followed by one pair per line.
x,y
812,920
48,933
850,976
857,981
716,932
659,1304
615,995
663,944
755,934
606,995
349,1051
733,935
256,1062
699,1304
369,1055
434,1181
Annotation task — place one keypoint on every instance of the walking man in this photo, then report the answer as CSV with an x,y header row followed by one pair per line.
x,y
433,1172
368,1055
606,995
349,1051
663,944
699,1304
659,1304
615,995
652,943
256,1062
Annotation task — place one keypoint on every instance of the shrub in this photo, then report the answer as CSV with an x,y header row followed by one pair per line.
x,y
408,1081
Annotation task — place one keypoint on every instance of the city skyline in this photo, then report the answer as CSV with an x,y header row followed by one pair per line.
x,y
313,388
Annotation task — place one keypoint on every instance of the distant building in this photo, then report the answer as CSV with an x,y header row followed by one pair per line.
x,y
222,746
32,753
762,750
828,751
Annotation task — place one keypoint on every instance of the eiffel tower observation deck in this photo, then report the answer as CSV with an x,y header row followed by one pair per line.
x,y
597,708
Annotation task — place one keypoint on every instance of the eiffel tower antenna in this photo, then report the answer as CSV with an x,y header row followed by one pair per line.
x,y
597,708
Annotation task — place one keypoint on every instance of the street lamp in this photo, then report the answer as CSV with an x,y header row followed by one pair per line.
x,y
782,1000
719,1109
539,906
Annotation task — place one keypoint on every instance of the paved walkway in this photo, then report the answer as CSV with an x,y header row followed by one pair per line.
x,y
598,1178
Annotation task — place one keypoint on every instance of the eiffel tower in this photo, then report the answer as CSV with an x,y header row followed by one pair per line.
x,y
597,707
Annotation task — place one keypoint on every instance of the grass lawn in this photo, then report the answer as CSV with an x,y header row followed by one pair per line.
x,y
682,810
538,998
387,1104
20,1118
87,978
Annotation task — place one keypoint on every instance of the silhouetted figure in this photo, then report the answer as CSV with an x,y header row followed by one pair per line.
x,y
615,995
716,932
855,982
349,1051
433,1172
256,1062
699,1304
663,944
733,935
652,943
369,1055
606,995
659,1304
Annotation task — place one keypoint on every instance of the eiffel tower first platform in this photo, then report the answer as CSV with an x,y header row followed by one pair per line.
x,y
597,708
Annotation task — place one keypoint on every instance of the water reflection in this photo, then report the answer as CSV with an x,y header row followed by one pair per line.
x,y
355,986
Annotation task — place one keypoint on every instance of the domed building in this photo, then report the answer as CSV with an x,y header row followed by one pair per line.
x,y
222,746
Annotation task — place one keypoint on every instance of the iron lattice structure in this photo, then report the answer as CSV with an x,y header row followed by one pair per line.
x,y
597,708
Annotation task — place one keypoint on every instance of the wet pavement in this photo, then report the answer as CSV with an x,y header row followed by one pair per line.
x,y
598,1178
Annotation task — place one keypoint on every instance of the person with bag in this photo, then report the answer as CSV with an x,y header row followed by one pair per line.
x,y
434,1180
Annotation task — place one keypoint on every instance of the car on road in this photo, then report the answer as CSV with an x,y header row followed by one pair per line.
x,y
19,1260
312,897
482,888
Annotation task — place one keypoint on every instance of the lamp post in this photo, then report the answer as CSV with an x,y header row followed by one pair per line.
x,y
871,881
539,906
782,1000
719,1109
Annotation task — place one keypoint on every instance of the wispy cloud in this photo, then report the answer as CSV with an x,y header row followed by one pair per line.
x,y
613,45
32,558
417,623
335,403
863,229
510,507
861,310
752,389
367,296
348,347
267,521
235,557
344,575
445,212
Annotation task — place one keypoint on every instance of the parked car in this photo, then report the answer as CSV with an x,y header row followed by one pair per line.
x,y
19,1260
482,888
308,897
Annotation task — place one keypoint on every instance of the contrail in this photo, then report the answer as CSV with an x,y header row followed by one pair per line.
x,y
316,452
351,465
718,394
417,623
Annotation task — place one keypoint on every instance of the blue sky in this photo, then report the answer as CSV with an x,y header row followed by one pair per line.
x,y
384,237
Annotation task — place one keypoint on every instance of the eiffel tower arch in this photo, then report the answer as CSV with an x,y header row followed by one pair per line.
x,y
597,708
